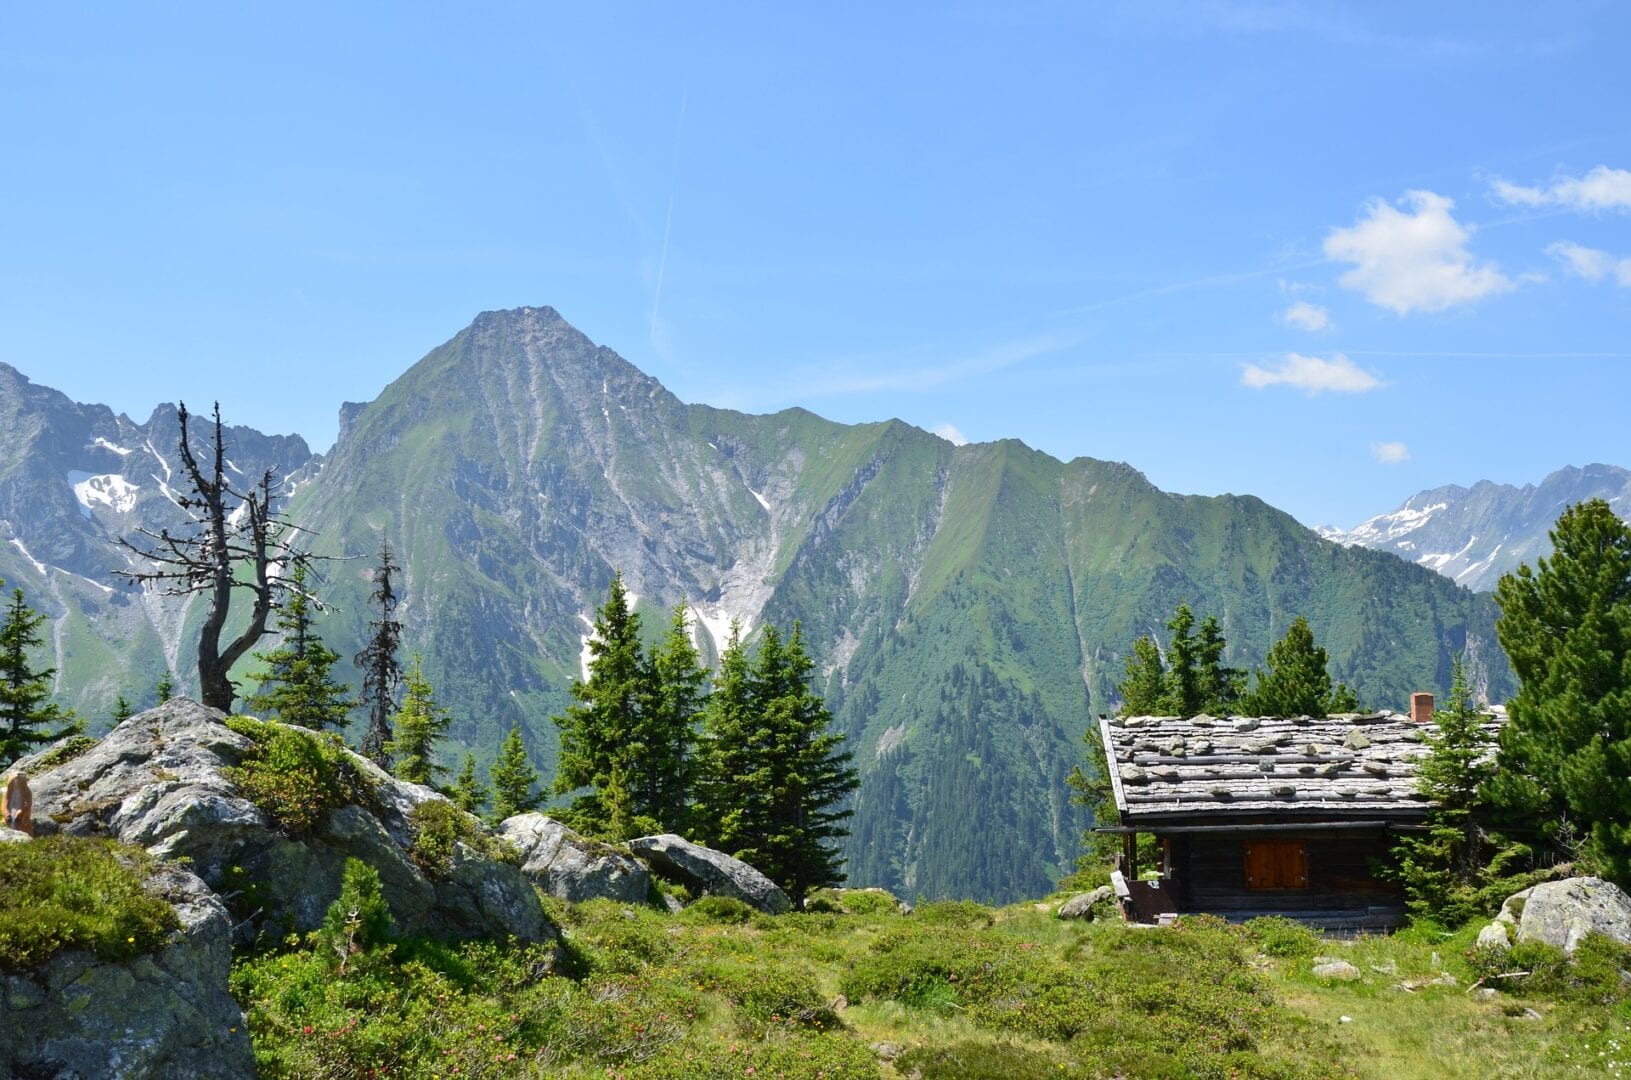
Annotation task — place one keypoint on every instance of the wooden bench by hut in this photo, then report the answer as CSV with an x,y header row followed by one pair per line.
x,y
1256,816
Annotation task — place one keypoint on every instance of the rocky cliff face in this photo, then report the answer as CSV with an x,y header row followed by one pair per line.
x,y
159,781
166,1015
970,607
1474,535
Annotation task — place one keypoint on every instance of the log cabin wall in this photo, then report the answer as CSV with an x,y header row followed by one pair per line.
x,y
1209,872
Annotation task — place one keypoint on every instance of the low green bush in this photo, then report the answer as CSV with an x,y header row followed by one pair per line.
x,y
719,909
958,913
439,828
980,1061
1591,976
766,996
1279,936
807,1057
66,892
295,777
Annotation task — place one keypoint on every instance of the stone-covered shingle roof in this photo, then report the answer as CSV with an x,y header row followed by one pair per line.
x,y
1343,767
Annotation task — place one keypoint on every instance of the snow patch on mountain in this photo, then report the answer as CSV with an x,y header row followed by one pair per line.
x,y
38,565
104,489
99,441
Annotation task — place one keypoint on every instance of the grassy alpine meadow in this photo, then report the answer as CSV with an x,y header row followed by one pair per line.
x,y
952,990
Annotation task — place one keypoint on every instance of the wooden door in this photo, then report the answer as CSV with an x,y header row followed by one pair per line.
x,y
1276,864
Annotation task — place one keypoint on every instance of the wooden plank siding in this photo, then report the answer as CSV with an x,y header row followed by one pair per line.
x,y
1210,872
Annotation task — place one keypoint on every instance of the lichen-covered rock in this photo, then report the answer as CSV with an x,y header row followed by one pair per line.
x,y
1081,905
567,866
704,870
163,1015
12,836
1335,970
1494,936
1563,913
159,781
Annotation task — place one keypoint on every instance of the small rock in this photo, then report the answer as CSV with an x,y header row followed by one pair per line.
x,y
886,1051
1081,905
1486,993
1531,1014
1494,936
1338,970
1345,1019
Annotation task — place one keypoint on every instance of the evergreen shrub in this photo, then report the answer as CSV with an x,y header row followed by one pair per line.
x,y
68,892
295,777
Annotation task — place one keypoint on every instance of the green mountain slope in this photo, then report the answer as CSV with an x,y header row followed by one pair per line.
x,y
969,607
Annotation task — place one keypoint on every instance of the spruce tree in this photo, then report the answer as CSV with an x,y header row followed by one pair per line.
x,y
671,709
1442,868
513,779
784,807
1296,682
378,662
1220,686
730,748
164,689
1565,754
602,735
1183,695
122,710
27,715
1143,690
417,727
468,793
298,686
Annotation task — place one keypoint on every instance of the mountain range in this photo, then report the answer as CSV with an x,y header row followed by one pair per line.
x,y
1474,535
970,607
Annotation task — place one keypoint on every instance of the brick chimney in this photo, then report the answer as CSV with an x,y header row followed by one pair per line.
x,y
1421,708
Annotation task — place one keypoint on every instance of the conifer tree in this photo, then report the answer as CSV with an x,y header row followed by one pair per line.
x,y
729,748
27,715
1220,686
298,686
1143,690
164,689
468,793
381,669
122,710
671,709
1442,868
602,733
784,807
417,727
1296,682
1565,754
1183,695
513,778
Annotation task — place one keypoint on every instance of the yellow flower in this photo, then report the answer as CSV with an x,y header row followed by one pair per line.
x,y
131,939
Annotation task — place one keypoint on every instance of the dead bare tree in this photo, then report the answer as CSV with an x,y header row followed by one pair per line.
x,y
234,531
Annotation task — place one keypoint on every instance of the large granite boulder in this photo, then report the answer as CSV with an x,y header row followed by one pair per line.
x,y
566,865
1098,903
165,1015
158,780
1563,913
711,872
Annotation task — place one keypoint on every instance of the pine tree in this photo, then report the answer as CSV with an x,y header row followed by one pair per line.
x,y
1144,688
468,793
783,808
1183,695
675,694
164,689
298,686
378,662
513,779
1220,687
602,734
1297,682
729,747
122,710
1565,754
418,726
1442,868
26,712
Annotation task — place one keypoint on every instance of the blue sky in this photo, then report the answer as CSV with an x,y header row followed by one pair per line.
x,y
1328,255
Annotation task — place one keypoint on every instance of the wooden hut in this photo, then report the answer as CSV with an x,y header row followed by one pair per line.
x,y
1288,816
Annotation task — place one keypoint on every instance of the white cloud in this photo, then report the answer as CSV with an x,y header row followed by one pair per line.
x,y
950,433
1590,263
1306,316
1390,453
1602,188
1312,375
1414,259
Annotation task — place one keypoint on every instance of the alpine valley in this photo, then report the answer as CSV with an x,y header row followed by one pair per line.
x,y
970,607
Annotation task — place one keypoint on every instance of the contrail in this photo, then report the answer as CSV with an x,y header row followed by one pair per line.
x,y
668,225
